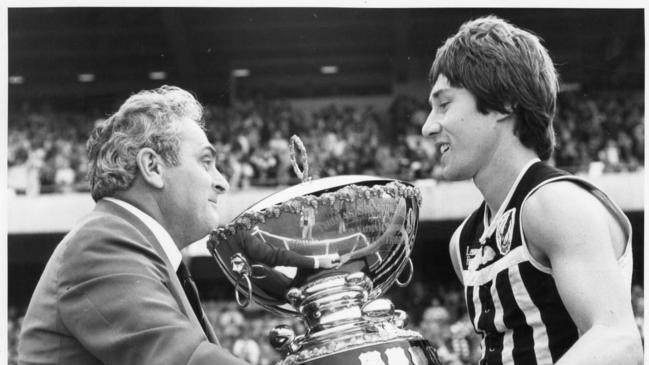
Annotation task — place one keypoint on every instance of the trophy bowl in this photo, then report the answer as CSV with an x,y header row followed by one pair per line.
x,y
325,250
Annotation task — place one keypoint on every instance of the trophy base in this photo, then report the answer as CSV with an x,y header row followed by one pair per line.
x,y
346,327
404,351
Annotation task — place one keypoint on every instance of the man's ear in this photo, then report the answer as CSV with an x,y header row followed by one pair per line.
x,y
508,114
151,167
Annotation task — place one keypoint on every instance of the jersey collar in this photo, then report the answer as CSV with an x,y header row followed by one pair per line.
x,y
490,227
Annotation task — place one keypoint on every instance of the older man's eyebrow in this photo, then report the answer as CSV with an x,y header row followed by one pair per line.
x,y
211,150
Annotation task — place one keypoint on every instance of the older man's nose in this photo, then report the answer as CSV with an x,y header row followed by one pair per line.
x,y
220,183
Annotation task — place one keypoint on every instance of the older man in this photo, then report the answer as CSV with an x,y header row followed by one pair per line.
x,y
110,293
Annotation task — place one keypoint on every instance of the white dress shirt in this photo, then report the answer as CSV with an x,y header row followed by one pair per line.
x,y
168,246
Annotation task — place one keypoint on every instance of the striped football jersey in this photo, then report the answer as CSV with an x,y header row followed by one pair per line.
x,y
512,298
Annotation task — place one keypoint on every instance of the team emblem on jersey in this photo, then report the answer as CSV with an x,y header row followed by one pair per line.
x,y
471,253
505,231
479,256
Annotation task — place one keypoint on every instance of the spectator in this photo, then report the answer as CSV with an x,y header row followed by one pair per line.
x,y
247,349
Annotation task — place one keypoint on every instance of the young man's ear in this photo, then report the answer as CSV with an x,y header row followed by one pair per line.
x,y
150,165
509,113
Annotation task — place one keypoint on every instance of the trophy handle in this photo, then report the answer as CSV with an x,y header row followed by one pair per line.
x,y
246,302
294,142
241,267
411,271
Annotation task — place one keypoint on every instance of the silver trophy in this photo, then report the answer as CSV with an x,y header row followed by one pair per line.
x,y
364,227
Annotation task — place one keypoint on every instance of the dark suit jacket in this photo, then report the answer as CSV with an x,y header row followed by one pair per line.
x,y
109,295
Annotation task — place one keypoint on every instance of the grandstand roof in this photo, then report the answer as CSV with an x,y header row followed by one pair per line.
x,y
284,48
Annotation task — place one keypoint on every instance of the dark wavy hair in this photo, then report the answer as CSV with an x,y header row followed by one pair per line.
x,y
508,70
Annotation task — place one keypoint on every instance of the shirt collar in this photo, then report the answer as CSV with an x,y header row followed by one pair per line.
x,y
168,246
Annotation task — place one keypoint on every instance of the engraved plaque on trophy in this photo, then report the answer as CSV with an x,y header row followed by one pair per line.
x,y
325,250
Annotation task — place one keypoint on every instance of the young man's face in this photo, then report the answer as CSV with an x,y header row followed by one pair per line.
x,y
465,138
192,187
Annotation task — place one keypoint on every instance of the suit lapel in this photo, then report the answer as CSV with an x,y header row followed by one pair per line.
x,y
175,287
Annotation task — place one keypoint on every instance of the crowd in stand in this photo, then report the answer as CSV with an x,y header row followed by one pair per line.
x,y
46,149
596,133
435,311
605,131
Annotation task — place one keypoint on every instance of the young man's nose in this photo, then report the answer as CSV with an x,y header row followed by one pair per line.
x,y
220,183
431,127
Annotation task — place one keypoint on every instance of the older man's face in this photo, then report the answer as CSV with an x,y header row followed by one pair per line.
x,y
192,187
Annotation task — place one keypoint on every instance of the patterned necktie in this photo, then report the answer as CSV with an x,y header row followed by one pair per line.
x,y
189,286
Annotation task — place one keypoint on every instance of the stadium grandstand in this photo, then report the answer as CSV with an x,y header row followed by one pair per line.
x,y
352,83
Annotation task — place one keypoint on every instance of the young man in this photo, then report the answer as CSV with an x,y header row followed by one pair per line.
x,y
546,259
110,293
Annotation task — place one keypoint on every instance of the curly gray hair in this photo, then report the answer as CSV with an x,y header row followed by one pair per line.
x,y
146,119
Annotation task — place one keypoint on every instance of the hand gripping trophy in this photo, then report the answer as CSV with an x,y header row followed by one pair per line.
x,y
325,250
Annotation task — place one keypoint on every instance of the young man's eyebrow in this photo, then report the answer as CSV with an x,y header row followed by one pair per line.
x,y
437,94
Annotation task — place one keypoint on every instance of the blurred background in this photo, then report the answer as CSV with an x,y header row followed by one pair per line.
x,y
352,83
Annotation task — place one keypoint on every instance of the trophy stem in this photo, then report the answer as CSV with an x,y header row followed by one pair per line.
x,y
332,301
339,313
342,315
